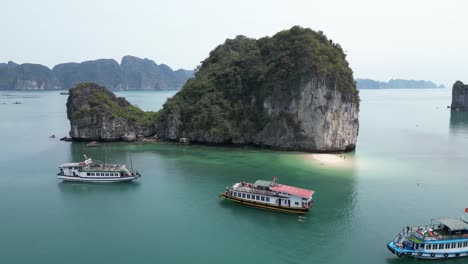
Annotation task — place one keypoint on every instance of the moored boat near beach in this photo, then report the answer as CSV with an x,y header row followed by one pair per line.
x,y
271,195
95,171
448,238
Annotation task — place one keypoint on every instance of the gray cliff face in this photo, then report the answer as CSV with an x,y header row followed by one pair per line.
x,y
316,119
460,96
93,114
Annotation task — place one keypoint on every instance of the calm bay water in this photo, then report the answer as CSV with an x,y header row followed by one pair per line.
x,y
409,166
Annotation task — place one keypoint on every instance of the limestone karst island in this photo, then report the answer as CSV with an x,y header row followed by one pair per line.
x,y
292,91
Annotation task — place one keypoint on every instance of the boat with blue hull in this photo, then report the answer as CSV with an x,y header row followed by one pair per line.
x,y
443,238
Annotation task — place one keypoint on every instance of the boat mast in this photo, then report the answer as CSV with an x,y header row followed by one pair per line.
x,y
105,158
131,162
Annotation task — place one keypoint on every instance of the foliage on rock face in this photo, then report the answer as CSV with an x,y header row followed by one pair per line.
x,y
101,101
227,96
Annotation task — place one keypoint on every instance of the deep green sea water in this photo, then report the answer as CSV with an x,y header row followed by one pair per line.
x,y
410,165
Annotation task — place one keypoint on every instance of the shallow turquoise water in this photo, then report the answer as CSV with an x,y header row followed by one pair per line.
x,y
409,166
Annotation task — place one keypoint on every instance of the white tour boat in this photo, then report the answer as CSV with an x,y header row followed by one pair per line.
x,y
271,195
96,171
447,238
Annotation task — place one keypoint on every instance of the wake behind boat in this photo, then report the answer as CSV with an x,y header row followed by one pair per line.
x,y
96,171
271,195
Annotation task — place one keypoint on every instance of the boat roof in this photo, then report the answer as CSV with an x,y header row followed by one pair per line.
x,y
264,183
304,193
72,164
453,224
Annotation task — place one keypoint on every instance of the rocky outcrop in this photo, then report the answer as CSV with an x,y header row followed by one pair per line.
x,y
293,91
396,84
27,77
133,73
459,96
97,114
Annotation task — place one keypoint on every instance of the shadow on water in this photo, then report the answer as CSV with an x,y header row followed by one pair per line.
x,y
89,188
458,122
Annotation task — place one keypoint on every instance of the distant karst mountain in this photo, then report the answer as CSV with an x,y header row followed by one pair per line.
x,y
131,74
395,84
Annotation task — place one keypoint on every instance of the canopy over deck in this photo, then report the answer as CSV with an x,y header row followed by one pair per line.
x,y
453,224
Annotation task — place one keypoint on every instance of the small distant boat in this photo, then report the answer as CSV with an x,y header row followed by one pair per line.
x,y
447,238
17,103
64,93
271,195
66,139
96,171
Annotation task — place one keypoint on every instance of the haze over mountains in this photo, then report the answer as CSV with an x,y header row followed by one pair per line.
x,y
395,84
131,74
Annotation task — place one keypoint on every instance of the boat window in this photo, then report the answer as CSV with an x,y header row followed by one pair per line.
x,y
107,174
465,244
296,203
243,195
238,194
267,199
262,197
447,246
441,246
248,196
257,197
459,245
453,245
428,246
87,174
417,246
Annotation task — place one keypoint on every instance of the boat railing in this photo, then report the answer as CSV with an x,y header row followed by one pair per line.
x,y
254,191
429,233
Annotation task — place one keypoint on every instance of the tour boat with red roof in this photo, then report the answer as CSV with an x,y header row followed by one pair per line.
x,y
271,195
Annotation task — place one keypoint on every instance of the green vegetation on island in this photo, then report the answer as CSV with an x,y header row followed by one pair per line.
x,y
228,96
292,91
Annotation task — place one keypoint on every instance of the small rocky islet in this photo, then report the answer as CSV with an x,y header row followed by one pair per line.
x,y
292,91
459,96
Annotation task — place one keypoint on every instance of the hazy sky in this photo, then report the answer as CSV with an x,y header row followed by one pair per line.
x,y
410,39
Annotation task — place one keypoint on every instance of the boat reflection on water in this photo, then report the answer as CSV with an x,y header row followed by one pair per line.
x,y
458,122
86,188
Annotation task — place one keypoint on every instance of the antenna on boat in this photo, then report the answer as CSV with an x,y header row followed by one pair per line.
x,y
105,158
131,162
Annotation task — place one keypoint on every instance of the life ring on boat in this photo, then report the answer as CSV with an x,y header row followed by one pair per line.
x,y
420,254
432,255
446,255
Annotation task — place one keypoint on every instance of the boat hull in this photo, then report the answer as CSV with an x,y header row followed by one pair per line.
x,y
266,206
424,254
97,180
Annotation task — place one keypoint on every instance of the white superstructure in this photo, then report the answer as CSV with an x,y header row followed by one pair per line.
x,y
95,171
